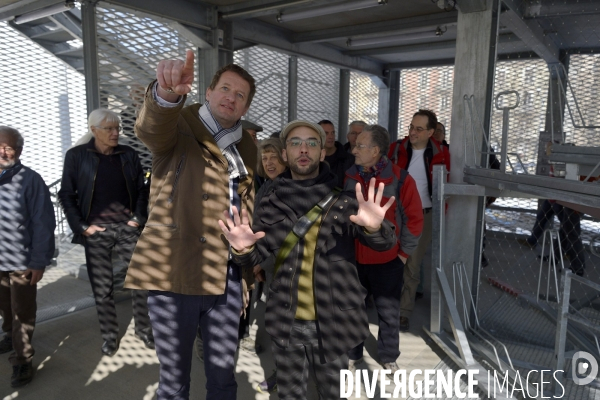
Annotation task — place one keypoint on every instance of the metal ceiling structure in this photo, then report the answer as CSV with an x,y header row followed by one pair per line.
x,y
391,35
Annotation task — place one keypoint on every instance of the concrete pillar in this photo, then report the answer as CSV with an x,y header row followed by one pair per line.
x,y
477,32
344,105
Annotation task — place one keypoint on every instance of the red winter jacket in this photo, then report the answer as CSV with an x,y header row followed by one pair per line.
x,y
406,213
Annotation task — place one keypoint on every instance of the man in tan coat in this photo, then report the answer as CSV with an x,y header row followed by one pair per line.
x,y
202,162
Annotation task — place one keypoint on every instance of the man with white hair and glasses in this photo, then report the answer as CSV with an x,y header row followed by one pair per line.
x,y
105,200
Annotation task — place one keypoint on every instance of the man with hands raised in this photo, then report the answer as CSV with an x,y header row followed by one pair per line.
x,y
202,160
315,308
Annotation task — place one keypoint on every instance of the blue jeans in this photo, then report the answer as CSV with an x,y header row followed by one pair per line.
x,y
175,320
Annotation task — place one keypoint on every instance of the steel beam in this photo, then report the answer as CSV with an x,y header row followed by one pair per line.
x,y
262,8
293,88
10,11
396,25
67,24
530,32
393,105
186,12
344,105
418,64
429,47
495,177
437,246
90,55
262,33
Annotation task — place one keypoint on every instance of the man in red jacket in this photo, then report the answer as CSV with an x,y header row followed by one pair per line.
x,y
418,153
381,273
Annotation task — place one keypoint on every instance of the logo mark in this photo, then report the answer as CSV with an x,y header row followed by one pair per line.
x,y
585,368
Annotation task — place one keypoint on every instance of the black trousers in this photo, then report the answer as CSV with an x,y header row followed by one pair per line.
x,y
120,238
301,356
384,282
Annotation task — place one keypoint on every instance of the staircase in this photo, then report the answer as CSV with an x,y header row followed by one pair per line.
x,y
59,33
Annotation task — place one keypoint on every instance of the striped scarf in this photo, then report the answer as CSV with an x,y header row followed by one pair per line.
x,y
226,140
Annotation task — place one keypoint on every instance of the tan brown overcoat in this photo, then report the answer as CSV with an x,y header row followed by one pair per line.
x,y
182,248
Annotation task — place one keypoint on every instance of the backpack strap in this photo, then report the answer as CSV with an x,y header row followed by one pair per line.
x,y
303,225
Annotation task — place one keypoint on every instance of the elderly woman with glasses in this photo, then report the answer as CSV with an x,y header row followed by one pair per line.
x,y
105,200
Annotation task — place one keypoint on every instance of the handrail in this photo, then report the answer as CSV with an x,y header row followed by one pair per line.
x,y
564,94
475,115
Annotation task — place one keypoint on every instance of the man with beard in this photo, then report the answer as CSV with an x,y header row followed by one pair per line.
x,y
27,247
315,308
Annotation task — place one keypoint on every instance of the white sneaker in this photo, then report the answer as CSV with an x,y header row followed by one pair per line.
x,y
392,366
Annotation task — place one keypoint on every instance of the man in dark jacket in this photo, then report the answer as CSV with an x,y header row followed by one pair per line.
x,y
106,204
27,247
336,156
315,308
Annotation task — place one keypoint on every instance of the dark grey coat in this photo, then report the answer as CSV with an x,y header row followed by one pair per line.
x,y
26,219
339,296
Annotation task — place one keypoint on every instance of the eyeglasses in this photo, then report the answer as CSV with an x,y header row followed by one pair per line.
x,y
416,128
363,146
299,142
8,150
109,128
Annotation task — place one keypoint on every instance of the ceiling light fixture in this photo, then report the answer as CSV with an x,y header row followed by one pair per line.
x,y
336,8
395,38
44,12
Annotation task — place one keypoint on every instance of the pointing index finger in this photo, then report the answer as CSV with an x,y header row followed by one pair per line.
x,y
189,60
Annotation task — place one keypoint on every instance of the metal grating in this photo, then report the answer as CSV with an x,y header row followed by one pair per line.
x,y
429,88
270,71
43,98
127,63
364,99
318,92
529,78
582,116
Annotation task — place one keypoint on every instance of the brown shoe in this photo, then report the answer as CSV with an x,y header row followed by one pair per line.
x,y
404,326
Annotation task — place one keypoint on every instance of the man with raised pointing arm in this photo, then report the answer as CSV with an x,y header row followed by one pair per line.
x,y
315,308
202,161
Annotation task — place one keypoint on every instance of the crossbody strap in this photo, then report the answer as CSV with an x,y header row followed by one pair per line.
x,y
302,226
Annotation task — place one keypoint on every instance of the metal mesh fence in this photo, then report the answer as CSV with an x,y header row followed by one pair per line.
x,y
530,242
364,99
43,98
318,92
127,63
582,114
522,83
429,88
270,71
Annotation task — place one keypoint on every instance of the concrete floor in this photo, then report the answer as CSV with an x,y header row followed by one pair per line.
x,y
70,365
